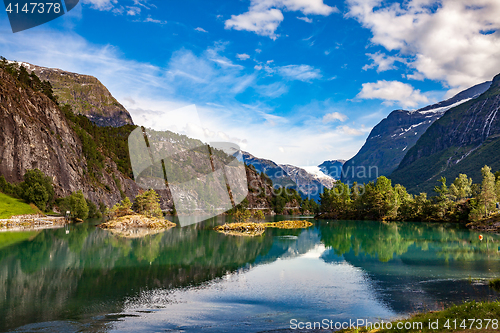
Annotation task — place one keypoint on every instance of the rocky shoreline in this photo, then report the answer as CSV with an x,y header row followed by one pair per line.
x,y
31,222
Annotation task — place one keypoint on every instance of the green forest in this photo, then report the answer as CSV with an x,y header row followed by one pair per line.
x,y
461,201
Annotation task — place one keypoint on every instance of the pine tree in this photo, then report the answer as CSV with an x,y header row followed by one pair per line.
x,y
487,196
461,187
148,203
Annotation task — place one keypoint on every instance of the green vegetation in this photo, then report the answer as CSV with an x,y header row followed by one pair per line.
x,y
36,188
463,201
470,316
11,207
123,208
101,142
495,284
77,205
148,204
25,79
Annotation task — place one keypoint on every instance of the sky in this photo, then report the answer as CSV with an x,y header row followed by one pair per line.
x,y
295,81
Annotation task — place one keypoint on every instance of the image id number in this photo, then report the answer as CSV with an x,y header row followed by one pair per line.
x,y
34,7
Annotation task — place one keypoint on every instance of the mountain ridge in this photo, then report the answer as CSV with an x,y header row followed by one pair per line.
x,y
390,140
465,139
85,93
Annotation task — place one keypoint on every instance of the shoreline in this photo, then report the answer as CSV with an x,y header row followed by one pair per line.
x,y
32,222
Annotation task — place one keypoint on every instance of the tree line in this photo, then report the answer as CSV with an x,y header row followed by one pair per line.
x,y
461,201
37,188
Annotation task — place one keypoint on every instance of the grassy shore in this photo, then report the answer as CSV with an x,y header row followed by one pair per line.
x,y
466,317
11,207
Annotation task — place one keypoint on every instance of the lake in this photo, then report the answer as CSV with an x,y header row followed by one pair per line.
x,y
193,279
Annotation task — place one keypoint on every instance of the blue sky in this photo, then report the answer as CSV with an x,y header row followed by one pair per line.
x,y
295,81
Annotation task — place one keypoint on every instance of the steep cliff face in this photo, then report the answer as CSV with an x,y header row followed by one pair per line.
x,y
35,134
465,139
86,95
395,135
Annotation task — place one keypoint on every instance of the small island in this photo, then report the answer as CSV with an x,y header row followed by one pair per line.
x,y
144,213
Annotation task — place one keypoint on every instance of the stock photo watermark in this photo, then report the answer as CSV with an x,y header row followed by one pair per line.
x,y
27,14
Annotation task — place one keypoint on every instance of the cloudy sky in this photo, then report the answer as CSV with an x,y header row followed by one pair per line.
x,y
295,81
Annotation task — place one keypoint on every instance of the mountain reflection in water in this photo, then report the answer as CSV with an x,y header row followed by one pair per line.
x,y
196,279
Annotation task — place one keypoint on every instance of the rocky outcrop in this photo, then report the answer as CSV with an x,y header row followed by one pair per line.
x,y
394,136
86,95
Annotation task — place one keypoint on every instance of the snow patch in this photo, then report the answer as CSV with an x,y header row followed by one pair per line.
x,y
316,171
443,109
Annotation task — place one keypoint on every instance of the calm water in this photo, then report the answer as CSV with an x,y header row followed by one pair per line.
x,y
193,279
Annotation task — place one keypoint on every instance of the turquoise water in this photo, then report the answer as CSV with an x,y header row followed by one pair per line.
x,y
194,279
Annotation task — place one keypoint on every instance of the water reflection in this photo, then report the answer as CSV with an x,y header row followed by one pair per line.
x,y
334,269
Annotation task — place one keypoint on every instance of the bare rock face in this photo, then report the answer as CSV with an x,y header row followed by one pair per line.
x,y
34,133
86,95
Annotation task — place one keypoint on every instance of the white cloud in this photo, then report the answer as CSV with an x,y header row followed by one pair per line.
x,y
454,41
299,72
133,11
334,116
152,20
305,19
101,4
351,131
393,91
200,29
264,16
262,23
382,61
243,56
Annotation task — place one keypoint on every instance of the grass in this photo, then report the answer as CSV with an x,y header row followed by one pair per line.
x,y
461,313
10,206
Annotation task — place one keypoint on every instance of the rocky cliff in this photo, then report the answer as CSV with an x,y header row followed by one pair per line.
x,y
86,95
395,135
465,139
36,134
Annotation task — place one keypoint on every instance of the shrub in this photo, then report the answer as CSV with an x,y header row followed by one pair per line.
x,y
37,188
121,209
148,203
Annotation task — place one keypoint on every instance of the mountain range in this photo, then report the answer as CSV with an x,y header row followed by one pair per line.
x,y
394,136
463,140
308,181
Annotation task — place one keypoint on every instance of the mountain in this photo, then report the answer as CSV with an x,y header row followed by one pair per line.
x,y
308,182
332,168
36,134
391,139
86,95
465,139
78,155
275,172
